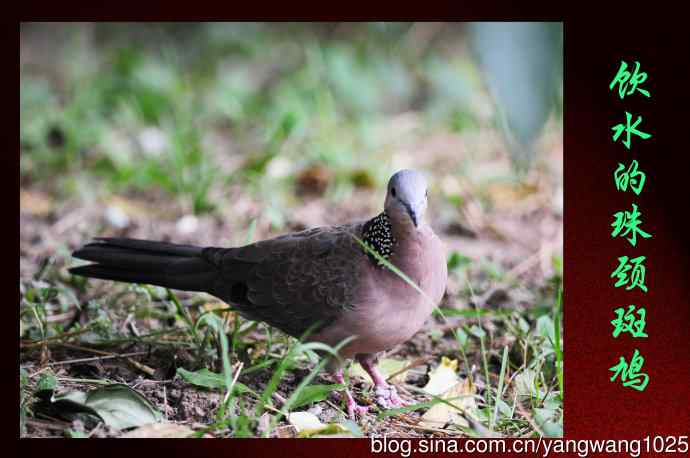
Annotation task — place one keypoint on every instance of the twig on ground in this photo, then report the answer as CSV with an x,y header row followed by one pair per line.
x,y
415,363
50,340
142,367
96,358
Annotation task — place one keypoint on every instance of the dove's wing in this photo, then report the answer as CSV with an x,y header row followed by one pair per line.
x,y
295,281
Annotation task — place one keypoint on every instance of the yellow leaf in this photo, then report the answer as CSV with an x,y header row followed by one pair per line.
x,y
216,306
461,396
307,425
387,367
443,378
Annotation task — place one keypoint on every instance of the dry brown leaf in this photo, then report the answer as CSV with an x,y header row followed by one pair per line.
x,y
286,432
35,203
159,430
314,180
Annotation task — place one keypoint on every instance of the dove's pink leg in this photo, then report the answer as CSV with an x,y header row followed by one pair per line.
x,y
352,406
386,394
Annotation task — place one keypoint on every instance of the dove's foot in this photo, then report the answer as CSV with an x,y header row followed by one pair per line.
x,y
387,397
386,394
352,407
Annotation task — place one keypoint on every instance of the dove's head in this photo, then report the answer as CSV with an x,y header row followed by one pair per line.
x,y
406,198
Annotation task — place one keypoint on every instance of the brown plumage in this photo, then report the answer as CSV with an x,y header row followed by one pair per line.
x,y
319,280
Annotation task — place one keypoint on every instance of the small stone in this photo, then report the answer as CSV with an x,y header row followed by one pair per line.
x,y
187,224
116,217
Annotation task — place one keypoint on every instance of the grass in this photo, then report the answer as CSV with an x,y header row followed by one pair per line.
x,y
128,105
540,391
253,130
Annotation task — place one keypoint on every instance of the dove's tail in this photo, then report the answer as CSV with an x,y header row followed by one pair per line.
x,y
142,261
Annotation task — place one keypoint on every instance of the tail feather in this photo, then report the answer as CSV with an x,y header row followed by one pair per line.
x,y
142,261
170,249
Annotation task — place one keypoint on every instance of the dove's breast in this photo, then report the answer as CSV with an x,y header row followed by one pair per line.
x,y
389,311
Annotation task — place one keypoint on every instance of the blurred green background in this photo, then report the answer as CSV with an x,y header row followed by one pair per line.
x,y
190,108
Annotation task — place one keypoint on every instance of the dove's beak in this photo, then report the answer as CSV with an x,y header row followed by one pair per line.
x,y
413,215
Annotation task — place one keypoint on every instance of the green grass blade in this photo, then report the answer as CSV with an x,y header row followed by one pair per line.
x,y
499,391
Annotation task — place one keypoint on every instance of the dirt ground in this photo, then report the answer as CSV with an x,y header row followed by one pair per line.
x,y
530,235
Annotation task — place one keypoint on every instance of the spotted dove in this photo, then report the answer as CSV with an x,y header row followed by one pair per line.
x,y
320,279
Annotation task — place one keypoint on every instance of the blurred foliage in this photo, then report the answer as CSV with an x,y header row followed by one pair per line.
x,y
188,108
523,63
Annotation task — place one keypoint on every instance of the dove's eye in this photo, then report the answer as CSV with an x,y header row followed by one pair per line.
x,y
393,191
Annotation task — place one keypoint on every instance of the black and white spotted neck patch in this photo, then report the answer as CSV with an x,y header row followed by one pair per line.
x,y
377,233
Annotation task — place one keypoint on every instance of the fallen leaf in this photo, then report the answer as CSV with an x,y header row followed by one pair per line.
x,y
461,396
443,378
314,180
159,430
286,432
35,203
221,309
387,367
117,405
308,425
122,407
305,421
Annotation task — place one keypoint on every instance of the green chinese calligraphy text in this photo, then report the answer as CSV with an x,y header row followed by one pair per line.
x,y
628,82
630,374
630,177
630,272
626,321
627,223
629,130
